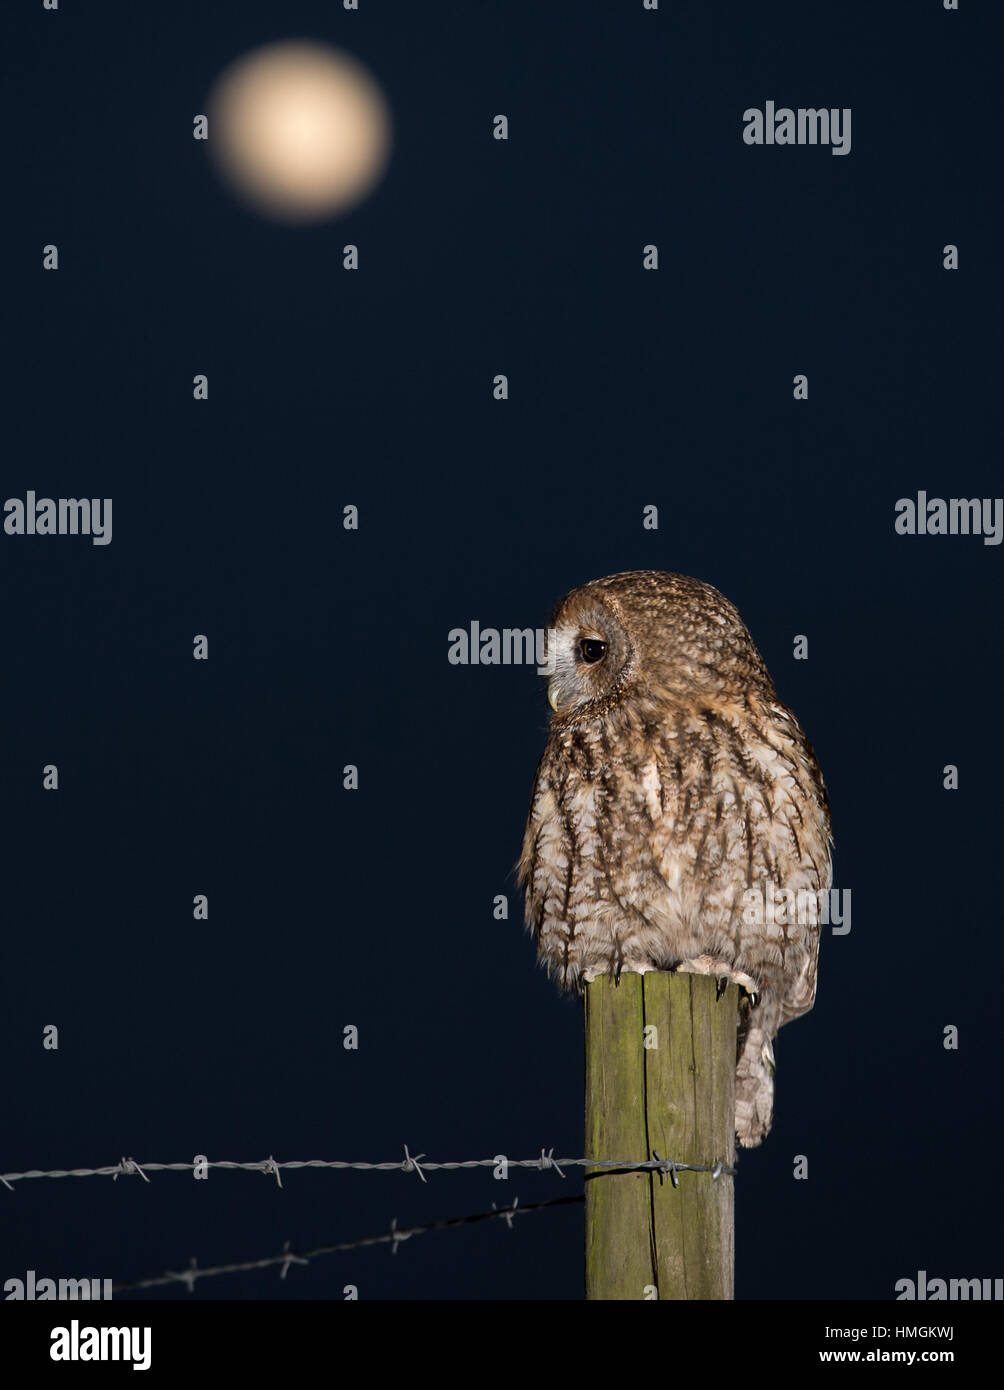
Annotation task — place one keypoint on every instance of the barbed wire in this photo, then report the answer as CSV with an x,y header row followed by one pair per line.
x,y
411,1163
394,1237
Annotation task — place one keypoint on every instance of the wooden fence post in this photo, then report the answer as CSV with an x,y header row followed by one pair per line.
x,y
660,1078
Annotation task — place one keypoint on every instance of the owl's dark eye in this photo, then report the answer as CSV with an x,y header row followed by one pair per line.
x,y
591,650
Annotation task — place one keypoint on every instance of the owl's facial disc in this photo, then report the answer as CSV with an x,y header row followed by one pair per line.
x,y
574,650
589,650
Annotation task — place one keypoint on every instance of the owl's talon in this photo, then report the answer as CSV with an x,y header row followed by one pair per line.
x,y
721,986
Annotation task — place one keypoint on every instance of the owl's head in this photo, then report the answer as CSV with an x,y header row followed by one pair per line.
x,y
645,634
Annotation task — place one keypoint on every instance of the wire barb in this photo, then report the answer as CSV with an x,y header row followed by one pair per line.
x,y
291,1259
188,1278
666,1166
127,1166
412,1165
548,1160
271,1169
507,1213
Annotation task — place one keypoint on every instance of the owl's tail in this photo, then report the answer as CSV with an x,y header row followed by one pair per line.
x,y
754,1078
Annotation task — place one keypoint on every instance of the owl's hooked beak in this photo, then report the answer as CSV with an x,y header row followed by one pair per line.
x,y
553,695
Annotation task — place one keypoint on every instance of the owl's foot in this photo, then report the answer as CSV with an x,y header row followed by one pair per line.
x,y
727,975
597,972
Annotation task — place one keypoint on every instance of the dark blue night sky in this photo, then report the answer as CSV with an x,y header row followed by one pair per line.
x,y
327,647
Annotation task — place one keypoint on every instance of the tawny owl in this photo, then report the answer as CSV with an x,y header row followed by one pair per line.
x,y
673,782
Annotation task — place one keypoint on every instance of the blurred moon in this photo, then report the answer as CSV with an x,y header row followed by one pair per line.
x,y
300,129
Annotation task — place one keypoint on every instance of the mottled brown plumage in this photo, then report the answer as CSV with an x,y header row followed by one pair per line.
x,y
673,782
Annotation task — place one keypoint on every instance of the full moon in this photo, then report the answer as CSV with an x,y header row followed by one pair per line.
x,y
300,129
